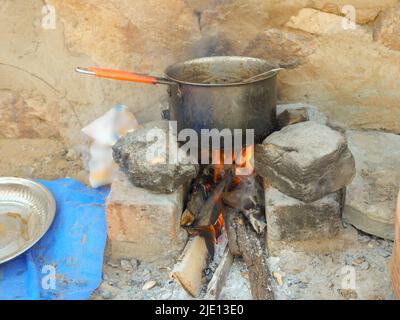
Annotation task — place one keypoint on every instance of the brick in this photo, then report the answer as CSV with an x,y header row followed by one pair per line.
x,y
290,219
142,224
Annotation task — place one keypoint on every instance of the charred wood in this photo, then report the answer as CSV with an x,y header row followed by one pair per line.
x,y
248,197
243,240
218,280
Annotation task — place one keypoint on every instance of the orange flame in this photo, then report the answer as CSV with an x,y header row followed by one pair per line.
x,y
244,166
216,229
245,163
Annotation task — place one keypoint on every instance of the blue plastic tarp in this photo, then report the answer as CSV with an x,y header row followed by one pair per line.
x,y
67,262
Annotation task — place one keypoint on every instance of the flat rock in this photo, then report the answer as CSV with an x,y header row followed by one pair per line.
x,y
371,197
306,161
146,159
289,219
313,113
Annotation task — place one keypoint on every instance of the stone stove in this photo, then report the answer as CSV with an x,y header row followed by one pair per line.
x,y
301,171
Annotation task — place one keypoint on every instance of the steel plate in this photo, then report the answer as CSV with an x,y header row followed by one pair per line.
x,y
27,210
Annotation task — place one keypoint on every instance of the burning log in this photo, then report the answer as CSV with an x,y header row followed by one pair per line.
x,y
205,217
199,192
206,222
243,241
246,194
205,194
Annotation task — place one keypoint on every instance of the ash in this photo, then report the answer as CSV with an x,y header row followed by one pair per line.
x,y
306,270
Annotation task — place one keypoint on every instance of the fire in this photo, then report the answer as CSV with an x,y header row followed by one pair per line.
x,y
236,180
214,186
216,229
245,163
244,166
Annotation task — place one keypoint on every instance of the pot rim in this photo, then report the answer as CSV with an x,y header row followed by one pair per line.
x,y
218,58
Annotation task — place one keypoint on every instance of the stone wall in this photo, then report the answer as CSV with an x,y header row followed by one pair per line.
x,y
351,75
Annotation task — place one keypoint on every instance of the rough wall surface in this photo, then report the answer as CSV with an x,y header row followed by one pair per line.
x,y
351,75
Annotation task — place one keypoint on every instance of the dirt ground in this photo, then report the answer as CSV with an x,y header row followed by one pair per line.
x,y
39,158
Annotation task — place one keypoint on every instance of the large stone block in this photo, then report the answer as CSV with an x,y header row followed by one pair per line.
x,y
289,219
306,161
143,224
144,156
371,197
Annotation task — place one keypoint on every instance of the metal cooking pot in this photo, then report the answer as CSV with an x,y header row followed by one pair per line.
x,y
215,92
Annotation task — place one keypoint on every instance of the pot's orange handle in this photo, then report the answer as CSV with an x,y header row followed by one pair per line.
x,y
122,75
118,75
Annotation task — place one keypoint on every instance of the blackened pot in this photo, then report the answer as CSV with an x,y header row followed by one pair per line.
x,y
209,94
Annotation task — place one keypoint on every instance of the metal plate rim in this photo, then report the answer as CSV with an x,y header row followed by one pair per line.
x,y
51,212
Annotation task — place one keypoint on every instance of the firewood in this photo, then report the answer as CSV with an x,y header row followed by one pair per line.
x,y
187,218
243,239
217,282
230,223
248,198
208,215
256,219
205,207
200,191
188,272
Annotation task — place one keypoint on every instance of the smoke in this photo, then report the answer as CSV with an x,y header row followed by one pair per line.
x,y
213,45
